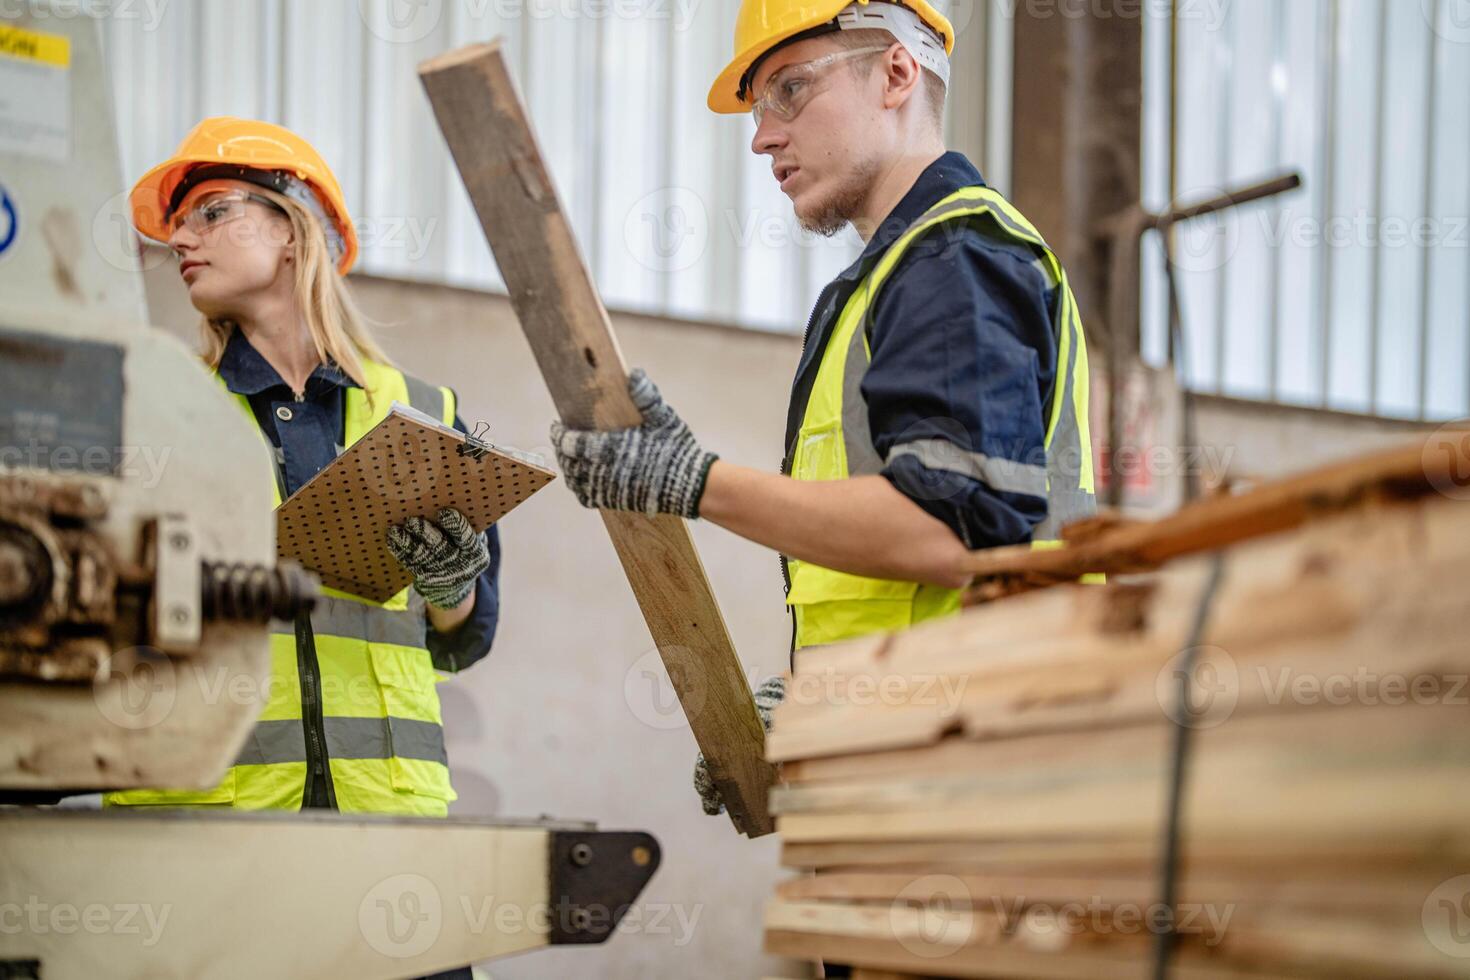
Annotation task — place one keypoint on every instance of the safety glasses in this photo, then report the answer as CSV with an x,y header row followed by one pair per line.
x,y
216,209
790,89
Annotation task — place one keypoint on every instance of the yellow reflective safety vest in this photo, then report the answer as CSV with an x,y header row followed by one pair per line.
x,y
835,442
375,718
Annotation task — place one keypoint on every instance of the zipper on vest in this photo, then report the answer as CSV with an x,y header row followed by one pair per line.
x,y
806,336
319,791
786,583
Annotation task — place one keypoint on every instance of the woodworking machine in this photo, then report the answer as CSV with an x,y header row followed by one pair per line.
x,y
138,576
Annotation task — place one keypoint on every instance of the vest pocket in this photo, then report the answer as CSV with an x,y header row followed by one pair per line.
x,y
406,679
400,666
813,583
411,706
422,779
820,454
221,795
821,623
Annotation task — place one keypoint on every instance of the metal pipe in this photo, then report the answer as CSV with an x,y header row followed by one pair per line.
x,y
1230,199
1169,243
1122,233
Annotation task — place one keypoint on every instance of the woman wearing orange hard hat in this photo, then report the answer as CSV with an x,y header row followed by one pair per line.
x,y
352,720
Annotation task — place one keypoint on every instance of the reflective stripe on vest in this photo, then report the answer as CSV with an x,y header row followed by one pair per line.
x,y
381,715
835,441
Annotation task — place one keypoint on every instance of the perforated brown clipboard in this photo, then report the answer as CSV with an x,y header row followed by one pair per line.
x,y
408,464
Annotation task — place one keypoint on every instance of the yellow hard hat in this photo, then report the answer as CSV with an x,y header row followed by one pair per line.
x,y
763,25
250,150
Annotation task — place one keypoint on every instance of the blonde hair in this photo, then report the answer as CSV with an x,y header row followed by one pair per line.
x,y
338,329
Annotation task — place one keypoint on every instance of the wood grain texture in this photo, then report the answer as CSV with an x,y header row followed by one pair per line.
x,y
1364,588
1305,771
1107,544
489,135
1349,889
966,768
789,933
1037,942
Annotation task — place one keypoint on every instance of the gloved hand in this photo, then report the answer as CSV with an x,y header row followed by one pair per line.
x,y
767,696
445,557
656,468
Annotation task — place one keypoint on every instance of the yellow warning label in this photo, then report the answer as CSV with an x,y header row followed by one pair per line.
x,y
48,49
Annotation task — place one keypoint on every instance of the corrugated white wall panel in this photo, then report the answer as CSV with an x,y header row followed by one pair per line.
x,y
1299,295
1253,146
1352,293
674,213
1447,272
634,224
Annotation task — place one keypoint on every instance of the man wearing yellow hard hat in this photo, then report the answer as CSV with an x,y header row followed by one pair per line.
x,y
940,403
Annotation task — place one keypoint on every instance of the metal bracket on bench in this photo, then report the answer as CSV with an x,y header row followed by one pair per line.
x,y
594,878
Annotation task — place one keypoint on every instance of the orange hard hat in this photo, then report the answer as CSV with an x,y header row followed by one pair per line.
x,y
259,152
761,26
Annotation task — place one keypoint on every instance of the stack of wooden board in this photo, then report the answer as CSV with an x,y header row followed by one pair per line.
x,y
987,795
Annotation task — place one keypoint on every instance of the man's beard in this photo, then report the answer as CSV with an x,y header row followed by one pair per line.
x,y
832,214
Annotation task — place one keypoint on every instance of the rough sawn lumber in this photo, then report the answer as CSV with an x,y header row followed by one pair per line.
x,y
485,125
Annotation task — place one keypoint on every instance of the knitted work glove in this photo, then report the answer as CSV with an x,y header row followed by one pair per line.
x,y
767,696
657,468
445,557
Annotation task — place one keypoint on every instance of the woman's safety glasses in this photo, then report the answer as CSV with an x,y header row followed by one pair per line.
x,y
790,89
218,208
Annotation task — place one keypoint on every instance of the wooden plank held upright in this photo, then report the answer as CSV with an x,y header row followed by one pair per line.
x,y
485,125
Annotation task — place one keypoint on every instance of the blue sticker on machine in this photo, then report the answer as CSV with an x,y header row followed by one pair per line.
x,y
9,220
61,404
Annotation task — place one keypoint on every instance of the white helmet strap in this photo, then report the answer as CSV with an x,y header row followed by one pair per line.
x,y
917,37
300,191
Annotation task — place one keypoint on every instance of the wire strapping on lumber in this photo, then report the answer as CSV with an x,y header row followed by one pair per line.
x,y
1178,770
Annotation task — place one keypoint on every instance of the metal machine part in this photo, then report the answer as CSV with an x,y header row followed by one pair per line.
x,y
127,482
137,544
174,621
66,600
58,582
256,593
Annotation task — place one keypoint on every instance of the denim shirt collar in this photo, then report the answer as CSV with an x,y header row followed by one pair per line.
x,y
246,372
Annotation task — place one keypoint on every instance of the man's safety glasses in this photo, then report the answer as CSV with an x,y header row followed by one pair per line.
x,y
790,89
